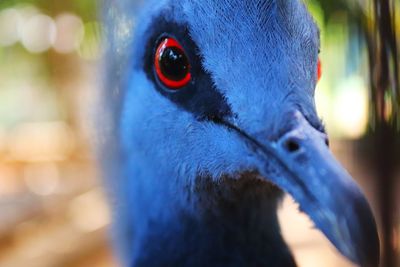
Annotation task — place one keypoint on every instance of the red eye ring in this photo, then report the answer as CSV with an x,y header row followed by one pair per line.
x,y
319,69
171,64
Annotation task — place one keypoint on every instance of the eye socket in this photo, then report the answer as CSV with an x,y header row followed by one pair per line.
x,y
171,64
319,69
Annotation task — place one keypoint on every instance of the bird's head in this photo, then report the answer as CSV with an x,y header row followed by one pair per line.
x,y
220,88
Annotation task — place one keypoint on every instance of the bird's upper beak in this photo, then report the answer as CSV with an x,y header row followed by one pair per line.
x,y
301,164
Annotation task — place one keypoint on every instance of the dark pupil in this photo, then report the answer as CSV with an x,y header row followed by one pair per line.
x,y
174,64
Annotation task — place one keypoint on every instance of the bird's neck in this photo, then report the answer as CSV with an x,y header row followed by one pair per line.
x,y
233,223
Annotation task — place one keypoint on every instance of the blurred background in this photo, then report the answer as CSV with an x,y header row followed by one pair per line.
x,y
52,208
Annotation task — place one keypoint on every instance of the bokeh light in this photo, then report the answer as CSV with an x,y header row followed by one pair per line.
x,y
38,33
351,107
70,33
10,20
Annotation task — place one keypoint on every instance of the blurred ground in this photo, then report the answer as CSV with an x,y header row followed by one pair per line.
x,y
68,227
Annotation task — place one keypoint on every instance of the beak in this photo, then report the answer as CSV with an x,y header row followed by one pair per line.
x,y
301,164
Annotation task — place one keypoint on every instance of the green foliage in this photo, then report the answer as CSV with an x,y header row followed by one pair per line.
x,y
87,9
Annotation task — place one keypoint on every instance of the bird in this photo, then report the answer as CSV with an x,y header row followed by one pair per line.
x,y
208,119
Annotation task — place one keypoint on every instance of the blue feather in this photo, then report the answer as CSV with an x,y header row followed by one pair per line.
x,y
196,175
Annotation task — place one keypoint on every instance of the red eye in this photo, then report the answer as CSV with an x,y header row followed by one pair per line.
x,y
171,64
319,69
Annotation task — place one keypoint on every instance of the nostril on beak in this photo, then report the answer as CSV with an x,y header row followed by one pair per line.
x,y
327,142
291,145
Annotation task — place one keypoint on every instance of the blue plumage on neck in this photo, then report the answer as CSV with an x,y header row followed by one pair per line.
x,y
231,223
